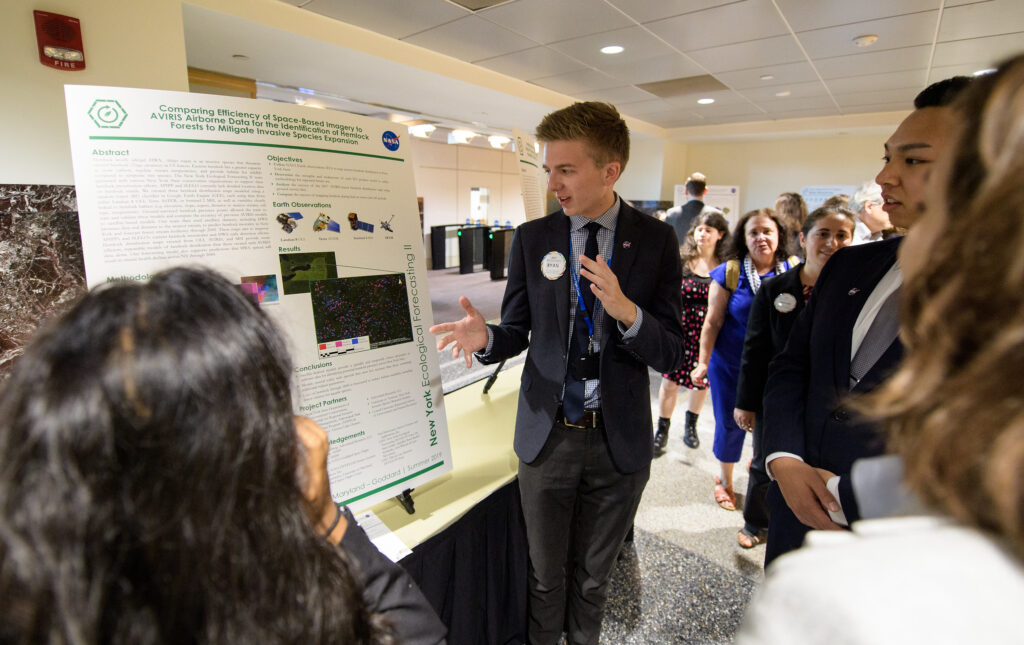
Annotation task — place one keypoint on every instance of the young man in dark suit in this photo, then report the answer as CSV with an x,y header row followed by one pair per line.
x,y
845,343
593,294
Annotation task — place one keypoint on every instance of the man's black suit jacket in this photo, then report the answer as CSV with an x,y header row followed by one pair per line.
x,y
535,314
808,382
682,220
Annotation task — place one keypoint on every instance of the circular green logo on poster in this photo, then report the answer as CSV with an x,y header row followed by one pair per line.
x,y
106,113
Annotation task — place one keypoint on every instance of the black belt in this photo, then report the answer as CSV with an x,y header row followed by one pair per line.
x,y
590,419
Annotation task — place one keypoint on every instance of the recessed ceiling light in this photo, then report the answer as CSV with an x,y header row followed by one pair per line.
x,y
982,72
866,40
705,101
497,141
782,93
239,57
766,77
461,136
422,130
612,49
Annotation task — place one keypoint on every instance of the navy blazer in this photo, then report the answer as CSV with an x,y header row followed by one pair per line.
x,y
808,382
535,314
767,332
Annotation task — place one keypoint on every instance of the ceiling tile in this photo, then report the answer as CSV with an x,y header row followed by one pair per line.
x,y
585,80
715,110
545,21
893,33
724,25
875,82
638,45
754,53
803,113
646,10
939,73
681,121
889,60
617,95
652,70
803,15
984,52
900,106
782,74
790,104
394,18
471,39
722,97
529,64
991,18
905,96
645,107
796,90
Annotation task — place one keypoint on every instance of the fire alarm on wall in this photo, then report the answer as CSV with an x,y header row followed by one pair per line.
x,y
60,41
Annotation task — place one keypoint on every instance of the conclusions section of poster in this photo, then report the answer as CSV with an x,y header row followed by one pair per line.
x,y
313,213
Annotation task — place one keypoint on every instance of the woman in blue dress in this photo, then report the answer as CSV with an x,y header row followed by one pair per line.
x,y
757,251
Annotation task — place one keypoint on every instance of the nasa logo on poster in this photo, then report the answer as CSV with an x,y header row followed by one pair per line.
x,y
390,140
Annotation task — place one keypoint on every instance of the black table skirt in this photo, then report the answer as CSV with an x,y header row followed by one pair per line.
x,y
474,572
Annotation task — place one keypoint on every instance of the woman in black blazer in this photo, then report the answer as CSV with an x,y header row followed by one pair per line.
x,y
775,307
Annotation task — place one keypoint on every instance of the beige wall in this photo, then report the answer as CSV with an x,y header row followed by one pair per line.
x,y
127,43
763,169
444,175
642,177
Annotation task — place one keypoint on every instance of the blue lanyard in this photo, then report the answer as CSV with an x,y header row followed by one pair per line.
x,y
579,293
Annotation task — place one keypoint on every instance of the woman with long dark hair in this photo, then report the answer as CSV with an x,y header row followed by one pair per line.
x,y
701,251
155,487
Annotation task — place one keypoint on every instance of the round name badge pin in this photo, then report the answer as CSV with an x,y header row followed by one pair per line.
x,y
785,303
552,266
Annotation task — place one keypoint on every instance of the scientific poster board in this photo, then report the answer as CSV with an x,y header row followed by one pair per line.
x,y
815,196
724,198
314,214
532,180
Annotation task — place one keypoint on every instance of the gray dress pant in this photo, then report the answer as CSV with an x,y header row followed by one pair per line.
x,y
578,509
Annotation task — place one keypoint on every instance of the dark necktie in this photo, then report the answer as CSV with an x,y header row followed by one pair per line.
x,y
883,330
576,391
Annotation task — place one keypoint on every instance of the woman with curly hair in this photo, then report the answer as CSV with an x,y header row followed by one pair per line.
x,y
155,487
701,251
949,567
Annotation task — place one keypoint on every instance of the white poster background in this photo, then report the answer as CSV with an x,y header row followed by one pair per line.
x,y
531,177
316,212
815,196
724,198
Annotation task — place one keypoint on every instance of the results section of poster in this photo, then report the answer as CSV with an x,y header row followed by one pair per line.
x,y
313,213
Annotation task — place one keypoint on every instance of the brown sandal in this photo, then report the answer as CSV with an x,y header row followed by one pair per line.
x,y
746,539
725,497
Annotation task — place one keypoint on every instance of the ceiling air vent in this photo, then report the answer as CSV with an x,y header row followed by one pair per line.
x,y
683,86
477,5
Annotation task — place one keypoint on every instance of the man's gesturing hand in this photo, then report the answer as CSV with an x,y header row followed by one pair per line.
x,y
606,288
468,335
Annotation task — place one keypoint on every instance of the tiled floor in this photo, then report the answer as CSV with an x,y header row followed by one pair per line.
x,y
684,579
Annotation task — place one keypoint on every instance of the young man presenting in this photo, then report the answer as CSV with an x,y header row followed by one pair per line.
x,y
593,293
